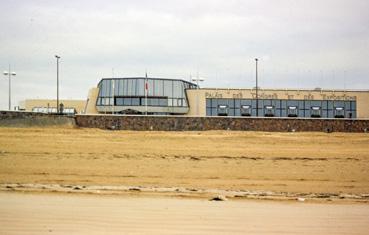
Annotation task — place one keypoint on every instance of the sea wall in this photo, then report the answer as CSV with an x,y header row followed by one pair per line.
x,y
182,123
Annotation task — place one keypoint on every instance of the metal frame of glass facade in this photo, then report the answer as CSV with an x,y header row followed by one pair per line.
x,y
281,108
166,95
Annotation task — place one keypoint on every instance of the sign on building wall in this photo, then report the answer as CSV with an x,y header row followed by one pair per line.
x,y
288,96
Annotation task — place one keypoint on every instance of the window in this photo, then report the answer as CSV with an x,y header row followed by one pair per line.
x,y
222,110
129,87
158,88
119,101
69,111
168,88
154,102
103,88
120,85
339,112
177,89
127,101
163,102
130,91
292,111
135,101
107,88
140,86
245,110
315,112
269,111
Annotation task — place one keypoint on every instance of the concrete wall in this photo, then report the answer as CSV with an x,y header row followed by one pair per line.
x,y
91,101
181,123
29,119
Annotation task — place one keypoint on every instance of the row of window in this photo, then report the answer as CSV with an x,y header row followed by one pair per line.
x,y
52,110
136,87
281,104
286,108
141,101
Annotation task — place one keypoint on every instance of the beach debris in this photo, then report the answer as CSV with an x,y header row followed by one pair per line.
x,y
192,189
135,189
219,198
301,199
323,195
349,196
195,158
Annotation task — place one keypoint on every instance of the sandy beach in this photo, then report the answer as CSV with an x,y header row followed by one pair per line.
x,y
83,214
287,163
65,180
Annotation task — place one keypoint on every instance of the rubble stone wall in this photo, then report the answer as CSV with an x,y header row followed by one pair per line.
x,y
182,123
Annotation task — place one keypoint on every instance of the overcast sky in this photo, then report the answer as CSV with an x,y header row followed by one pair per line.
x,y
300,44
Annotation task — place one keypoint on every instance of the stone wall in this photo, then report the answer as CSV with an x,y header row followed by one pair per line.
x,y
181,123
29,119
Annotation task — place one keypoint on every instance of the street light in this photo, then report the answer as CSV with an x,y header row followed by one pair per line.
x,y
10,74
257,97
197,80
57,83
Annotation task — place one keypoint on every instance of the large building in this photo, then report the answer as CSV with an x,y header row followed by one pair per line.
x,y
158,96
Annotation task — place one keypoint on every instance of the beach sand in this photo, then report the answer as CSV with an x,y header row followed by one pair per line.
x,y
90,181
307,163
87,214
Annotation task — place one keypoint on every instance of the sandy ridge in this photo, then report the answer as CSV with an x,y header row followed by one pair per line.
x,y
186,192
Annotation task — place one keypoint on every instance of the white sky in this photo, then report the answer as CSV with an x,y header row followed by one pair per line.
x,y
300,44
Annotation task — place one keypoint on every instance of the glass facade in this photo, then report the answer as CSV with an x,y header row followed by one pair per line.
x,y
281,108
152,92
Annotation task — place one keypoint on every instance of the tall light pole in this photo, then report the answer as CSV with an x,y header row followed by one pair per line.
x,y
57,83
197,80
257,96
113,91
10,74
146,92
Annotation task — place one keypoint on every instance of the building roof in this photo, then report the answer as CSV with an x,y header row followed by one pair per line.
x,y
149,78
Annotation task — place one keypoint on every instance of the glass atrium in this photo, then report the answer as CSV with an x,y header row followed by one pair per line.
x,y
141,95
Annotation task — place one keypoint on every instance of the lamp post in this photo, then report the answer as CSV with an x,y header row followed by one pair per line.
x,y
113,91
57,83
146,92
197,80
10,74
257,97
